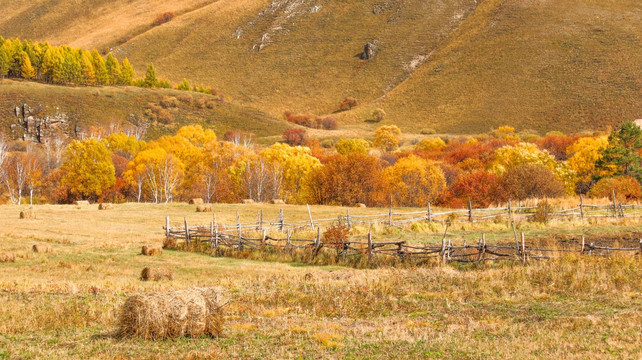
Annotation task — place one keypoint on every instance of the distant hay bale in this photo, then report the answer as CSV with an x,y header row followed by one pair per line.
x,y
154,316
27,214
204,208
248,201
156,274
7,257
277,201
42,248
105,206
196,201
81,202
151,250
360,205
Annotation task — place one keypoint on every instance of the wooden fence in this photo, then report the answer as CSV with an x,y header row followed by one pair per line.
x,y
213,238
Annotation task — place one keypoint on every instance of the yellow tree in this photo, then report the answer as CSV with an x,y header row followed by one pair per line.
x,y
414,181
429,144
155,170
217,180
348,146
583,154
123,145
387,137
294,163
88,168
509,157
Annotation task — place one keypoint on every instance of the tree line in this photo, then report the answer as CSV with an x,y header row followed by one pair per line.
x,y
485,169
64,65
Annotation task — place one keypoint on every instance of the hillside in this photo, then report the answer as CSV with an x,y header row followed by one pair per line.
x,y
460,66
164,110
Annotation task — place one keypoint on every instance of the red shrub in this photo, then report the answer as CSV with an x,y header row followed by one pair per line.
x,y
295,137
479,187
164,18
556,145
330,123
348,103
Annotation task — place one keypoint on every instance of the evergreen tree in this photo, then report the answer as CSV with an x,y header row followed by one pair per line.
x,y
622,155
26,70
113,70
71,67
100,69
51,69
183,85
4,62
87,69
127,73
151,80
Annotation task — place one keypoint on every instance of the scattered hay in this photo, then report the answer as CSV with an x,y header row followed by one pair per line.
x,y
278,201
360,205
169,243
7,257
196,201
81,202
204,208
28,214
105,206
248,201
151,250
193,312
42,248
156,274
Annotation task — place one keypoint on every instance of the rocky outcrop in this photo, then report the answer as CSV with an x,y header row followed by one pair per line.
x,y
37,126
369,51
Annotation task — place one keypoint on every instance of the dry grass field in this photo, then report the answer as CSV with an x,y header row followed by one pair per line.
x,y
64,304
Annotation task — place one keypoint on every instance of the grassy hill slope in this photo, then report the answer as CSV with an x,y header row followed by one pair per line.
x,y
86,106
459,66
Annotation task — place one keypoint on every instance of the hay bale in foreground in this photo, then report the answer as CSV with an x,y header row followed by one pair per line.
x,y
193,312
248,201
28,214
151,250
7,257
277,201
360,205
204,208
81,202
196,201
105,206
156,274
42,248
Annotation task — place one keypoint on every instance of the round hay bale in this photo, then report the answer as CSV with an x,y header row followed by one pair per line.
x,y
7,257
248,201
156,274
196,201
42,248
193,312
151,250
277,201
81,202
28,214
204,208
360,205
105,206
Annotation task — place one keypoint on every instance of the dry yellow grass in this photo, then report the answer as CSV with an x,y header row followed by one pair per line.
x,y
66,304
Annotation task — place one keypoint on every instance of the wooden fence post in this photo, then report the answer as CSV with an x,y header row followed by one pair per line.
x,y
429,213
515,233
287,240
581,207
257,220
470,211
450,245
523,249
390,213
479,247
348,219
281,220
216,236
261,222
187,236
614,205
167,232
238,227
310,216
369,245
483,247
510,212
263,238
211,235
443,250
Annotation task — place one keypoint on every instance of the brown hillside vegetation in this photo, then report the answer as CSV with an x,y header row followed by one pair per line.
x,y
87,106
460,66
